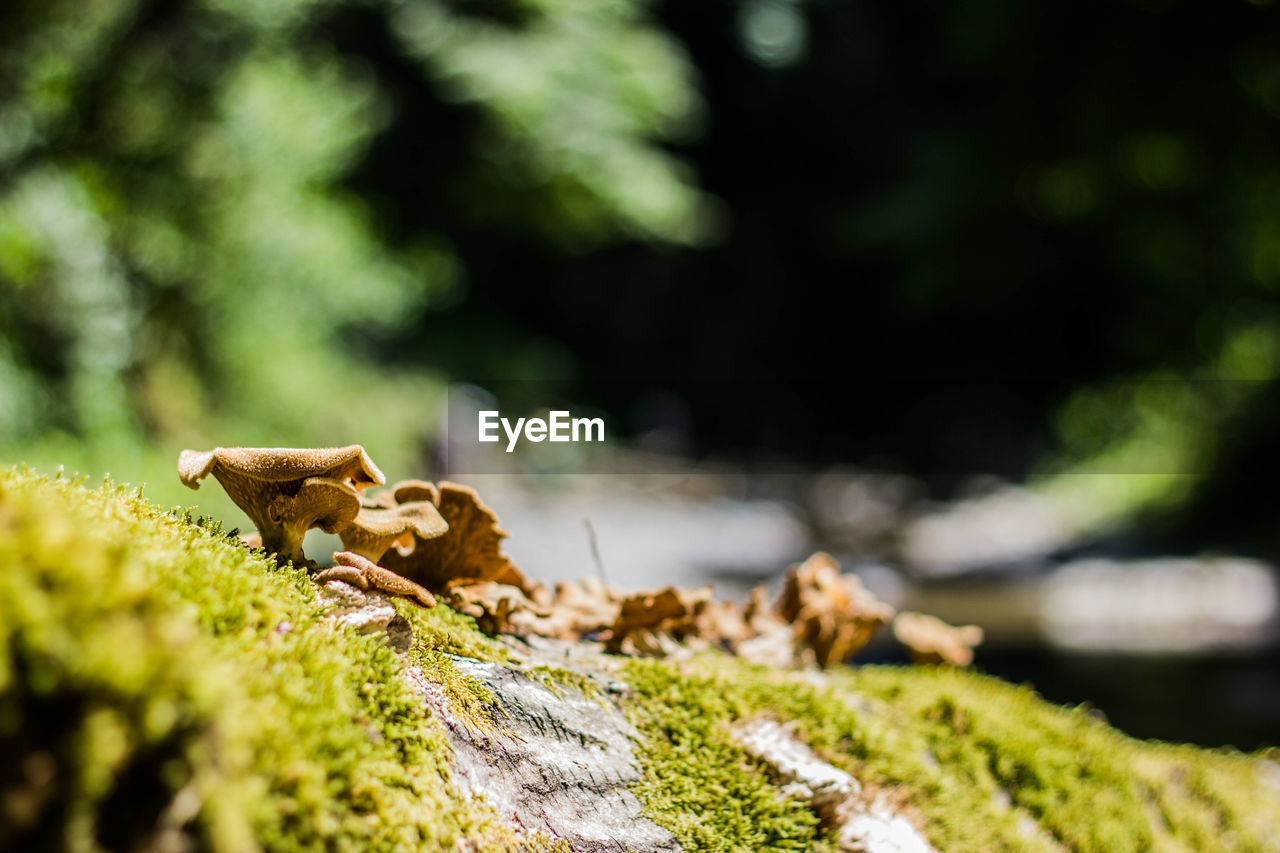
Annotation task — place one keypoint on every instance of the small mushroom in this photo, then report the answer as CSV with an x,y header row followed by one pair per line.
x,y
411,491
403,492
365,574
321,502
932,641
374,531
470,550
271,485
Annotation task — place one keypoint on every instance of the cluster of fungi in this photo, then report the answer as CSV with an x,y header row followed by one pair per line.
x,y
418,540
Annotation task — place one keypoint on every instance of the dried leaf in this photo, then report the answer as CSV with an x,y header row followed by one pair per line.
x,y
932,641
833,615
503,609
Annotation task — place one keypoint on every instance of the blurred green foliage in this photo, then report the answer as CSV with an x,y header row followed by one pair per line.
x,y
182,259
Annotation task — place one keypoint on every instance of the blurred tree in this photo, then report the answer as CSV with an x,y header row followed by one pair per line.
x,y
184,256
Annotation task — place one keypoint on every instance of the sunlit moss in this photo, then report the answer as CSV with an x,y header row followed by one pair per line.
x,y
164,669
980,764
169,680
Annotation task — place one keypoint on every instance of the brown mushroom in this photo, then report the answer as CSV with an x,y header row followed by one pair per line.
x,y
382,499
932,641
328,504
268,484
833,615
365,574
471,549
411,491
374,531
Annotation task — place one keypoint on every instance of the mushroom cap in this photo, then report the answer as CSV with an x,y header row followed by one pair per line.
x,y
932,639
649,622
804,581
381,499
411,491
281,464
373,531
321,502
587,605
470,549
420,517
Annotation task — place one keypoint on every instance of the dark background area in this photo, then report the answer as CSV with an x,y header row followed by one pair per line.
x,y
940,241
1029,199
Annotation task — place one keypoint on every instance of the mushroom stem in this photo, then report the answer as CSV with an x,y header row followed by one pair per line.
x,y
285,541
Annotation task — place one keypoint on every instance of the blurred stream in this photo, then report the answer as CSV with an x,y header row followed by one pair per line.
x,y
1173,647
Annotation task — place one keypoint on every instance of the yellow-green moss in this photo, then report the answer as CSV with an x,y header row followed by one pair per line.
x,y
166,674
155,673
697,782
970,757
558,680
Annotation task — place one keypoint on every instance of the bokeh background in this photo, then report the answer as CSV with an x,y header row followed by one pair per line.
x,y
994,288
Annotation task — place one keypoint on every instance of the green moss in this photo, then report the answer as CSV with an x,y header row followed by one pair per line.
x,y
559,680
159,674
697,783
157,677
968,756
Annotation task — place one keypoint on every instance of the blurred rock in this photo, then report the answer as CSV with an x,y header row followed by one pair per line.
x,y
1163,605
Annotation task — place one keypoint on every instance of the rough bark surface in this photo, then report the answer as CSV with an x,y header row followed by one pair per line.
x,y
560,763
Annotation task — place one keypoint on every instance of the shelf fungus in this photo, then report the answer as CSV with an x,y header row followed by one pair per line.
x,y
930,640
402,492
287,491
364,574
470,550
411,491
374,531
833,615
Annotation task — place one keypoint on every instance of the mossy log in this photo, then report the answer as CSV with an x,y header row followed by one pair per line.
x,y
164,688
